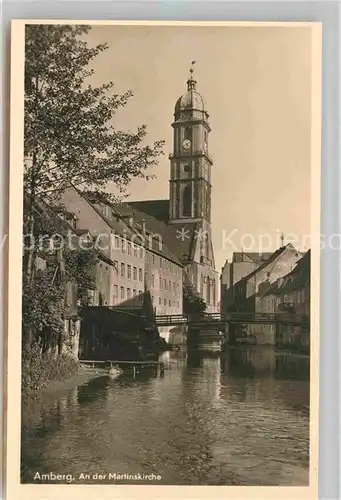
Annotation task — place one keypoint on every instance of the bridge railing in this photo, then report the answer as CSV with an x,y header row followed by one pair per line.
x,y
234,317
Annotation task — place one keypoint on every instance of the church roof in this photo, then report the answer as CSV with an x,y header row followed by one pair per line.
x,y
159,209
177,238
190,100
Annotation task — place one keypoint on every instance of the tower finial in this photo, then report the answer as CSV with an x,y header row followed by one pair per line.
x,y
191,82
282,240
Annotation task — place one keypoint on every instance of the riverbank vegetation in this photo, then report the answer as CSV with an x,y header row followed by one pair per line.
x,y
39,369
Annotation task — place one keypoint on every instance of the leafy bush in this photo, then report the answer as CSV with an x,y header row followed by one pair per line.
x,y
192,302
38,370
43,307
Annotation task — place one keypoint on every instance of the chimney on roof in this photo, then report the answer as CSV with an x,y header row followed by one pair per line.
x,y
143,226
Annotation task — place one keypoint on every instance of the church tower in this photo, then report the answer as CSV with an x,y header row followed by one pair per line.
x,y
190,192
190,162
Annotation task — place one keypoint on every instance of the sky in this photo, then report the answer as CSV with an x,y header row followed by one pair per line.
x,y
256,84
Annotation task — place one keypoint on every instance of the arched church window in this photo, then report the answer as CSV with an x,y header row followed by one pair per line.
x,y
196,169
188,133
186,201
195,200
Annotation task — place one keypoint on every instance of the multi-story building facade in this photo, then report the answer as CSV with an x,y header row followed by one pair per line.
x,y
242,264
278,265
293,297
132,262
266,302
289,293
248,291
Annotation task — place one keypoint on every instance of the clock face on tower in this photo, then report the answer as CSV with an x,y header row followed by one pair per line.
x,y
186,144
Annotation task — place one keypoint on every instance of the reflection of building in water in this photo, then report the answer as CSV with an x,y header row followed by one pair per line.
x,y
292,367
248,361
254,362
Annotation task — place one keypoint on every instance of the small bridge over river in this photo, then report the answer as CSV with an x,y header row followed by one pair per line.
x,y
232,318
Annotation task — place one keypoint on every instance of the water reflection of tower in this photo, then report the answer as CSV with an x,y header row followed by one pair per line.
x,y
200,392
204,373
236,362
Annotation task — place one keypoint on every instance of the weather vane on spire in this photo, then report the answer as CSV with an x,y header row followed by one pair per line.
x,y
191,82
192,68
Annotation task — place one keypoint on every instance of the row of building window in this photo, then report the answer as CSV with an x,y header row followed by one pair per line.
x,y
132,249
132,272
166,264
166,285
166,302
300,296
128,247
128,271
126,293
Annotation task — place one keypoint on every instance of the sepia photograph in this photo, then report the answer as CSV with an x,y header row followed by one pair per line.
x,y
167,198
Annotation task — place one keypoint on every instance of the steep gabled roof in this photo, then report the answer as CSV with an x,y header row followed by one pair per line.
x,y
120,227
158,209
271,259
178,239
295,280
257,258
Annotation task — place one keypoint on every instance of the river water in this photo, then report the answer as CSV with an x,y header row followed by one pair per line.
x,y
242,419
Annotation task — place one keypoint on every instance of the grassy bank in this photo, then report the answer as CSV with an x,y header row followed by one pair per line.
x,y
38,370
42,374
